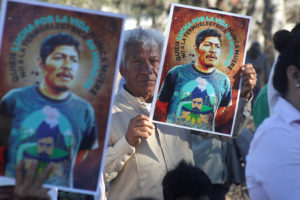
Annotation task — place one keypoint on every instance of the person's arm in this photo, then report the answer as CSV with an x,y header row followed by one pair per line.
x,y
88,152
164,96
248,75
120,151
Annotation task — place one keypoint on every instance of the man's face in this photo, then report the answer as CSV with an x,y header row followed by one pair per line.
x,y
208,51
45,147
197,103
141,68
60,67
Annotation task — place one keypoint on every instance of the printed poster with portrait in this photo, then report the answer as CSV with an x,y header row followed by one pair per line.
x,y
58,70
198,82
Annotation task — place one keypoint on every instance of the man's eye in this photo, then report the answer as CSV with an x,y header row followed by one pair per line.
x,y
57,57
75,60
137,61
155,61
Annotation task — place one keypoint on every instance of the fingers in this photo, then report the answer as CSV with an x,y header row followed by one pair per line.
x,y
30,176
248,71
44,194
31,186
139,127
143,132
19,173
43,176
249,79
141,121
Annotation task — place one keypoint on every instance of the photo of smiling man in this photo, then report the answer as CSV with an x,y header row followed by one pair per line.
x,y
49,123
192,93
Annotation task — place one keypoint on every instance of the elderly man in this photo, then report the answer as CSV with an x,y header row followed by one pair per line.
x,y
140,153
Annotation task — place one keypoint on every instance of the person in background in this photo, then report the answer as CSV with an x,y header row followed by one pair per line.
x,y
273,162
260,62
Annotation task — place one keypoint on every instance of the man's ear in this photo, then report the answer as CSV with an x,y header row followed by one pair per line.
x,y
195,48
122,69
41,63
293,74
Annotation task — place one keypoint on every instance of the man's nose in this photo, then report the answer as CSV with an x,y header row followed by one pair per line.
x,y
213,48
67,63
147,67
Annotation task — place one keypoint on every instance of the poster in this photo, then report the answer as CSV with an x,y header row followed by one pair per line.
x,y
58,70
198,82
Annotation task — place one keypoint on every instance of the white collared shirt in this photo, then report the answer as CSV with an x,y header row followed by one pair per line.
x,y
273,162
138,171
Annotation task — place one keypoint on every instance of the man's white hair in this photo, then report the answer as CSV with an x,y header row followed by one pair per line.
x,y
144,36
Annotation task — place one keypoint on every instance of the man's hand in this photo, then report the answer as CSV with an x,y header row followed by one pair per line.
x,y
138,128
249,79
30,187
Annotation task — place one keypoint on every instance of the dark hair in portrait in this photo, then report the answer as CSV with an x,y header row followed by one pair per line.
x,y
52,41
207,33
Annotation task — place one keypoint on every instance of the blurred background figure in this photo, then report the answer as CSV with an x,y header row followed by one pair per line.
x,y
186,182
260,62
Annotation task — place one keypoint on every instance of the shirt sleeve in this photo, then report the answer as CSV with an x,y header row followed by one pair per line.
x,y
117,155
227,96
90,136
167,88
243,113
6,106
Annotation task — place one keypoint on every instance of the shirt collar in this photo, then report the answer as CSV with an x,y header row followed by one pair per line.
x,y
286,111
135,101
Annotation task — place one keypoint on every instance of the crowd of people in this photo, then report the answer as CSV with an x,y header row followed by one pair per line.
x,y
147,160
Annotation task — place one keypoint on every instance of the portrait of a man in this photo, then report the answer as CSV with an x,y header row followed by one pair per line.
x,y
48,122
192,93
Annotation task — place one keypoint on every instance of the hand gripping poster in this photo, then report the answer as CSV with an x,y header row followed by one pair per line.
x,y
198,82
58,66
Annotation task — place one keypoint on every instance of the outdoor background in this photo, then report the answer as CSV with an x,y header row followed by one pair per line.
x,y
268,16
